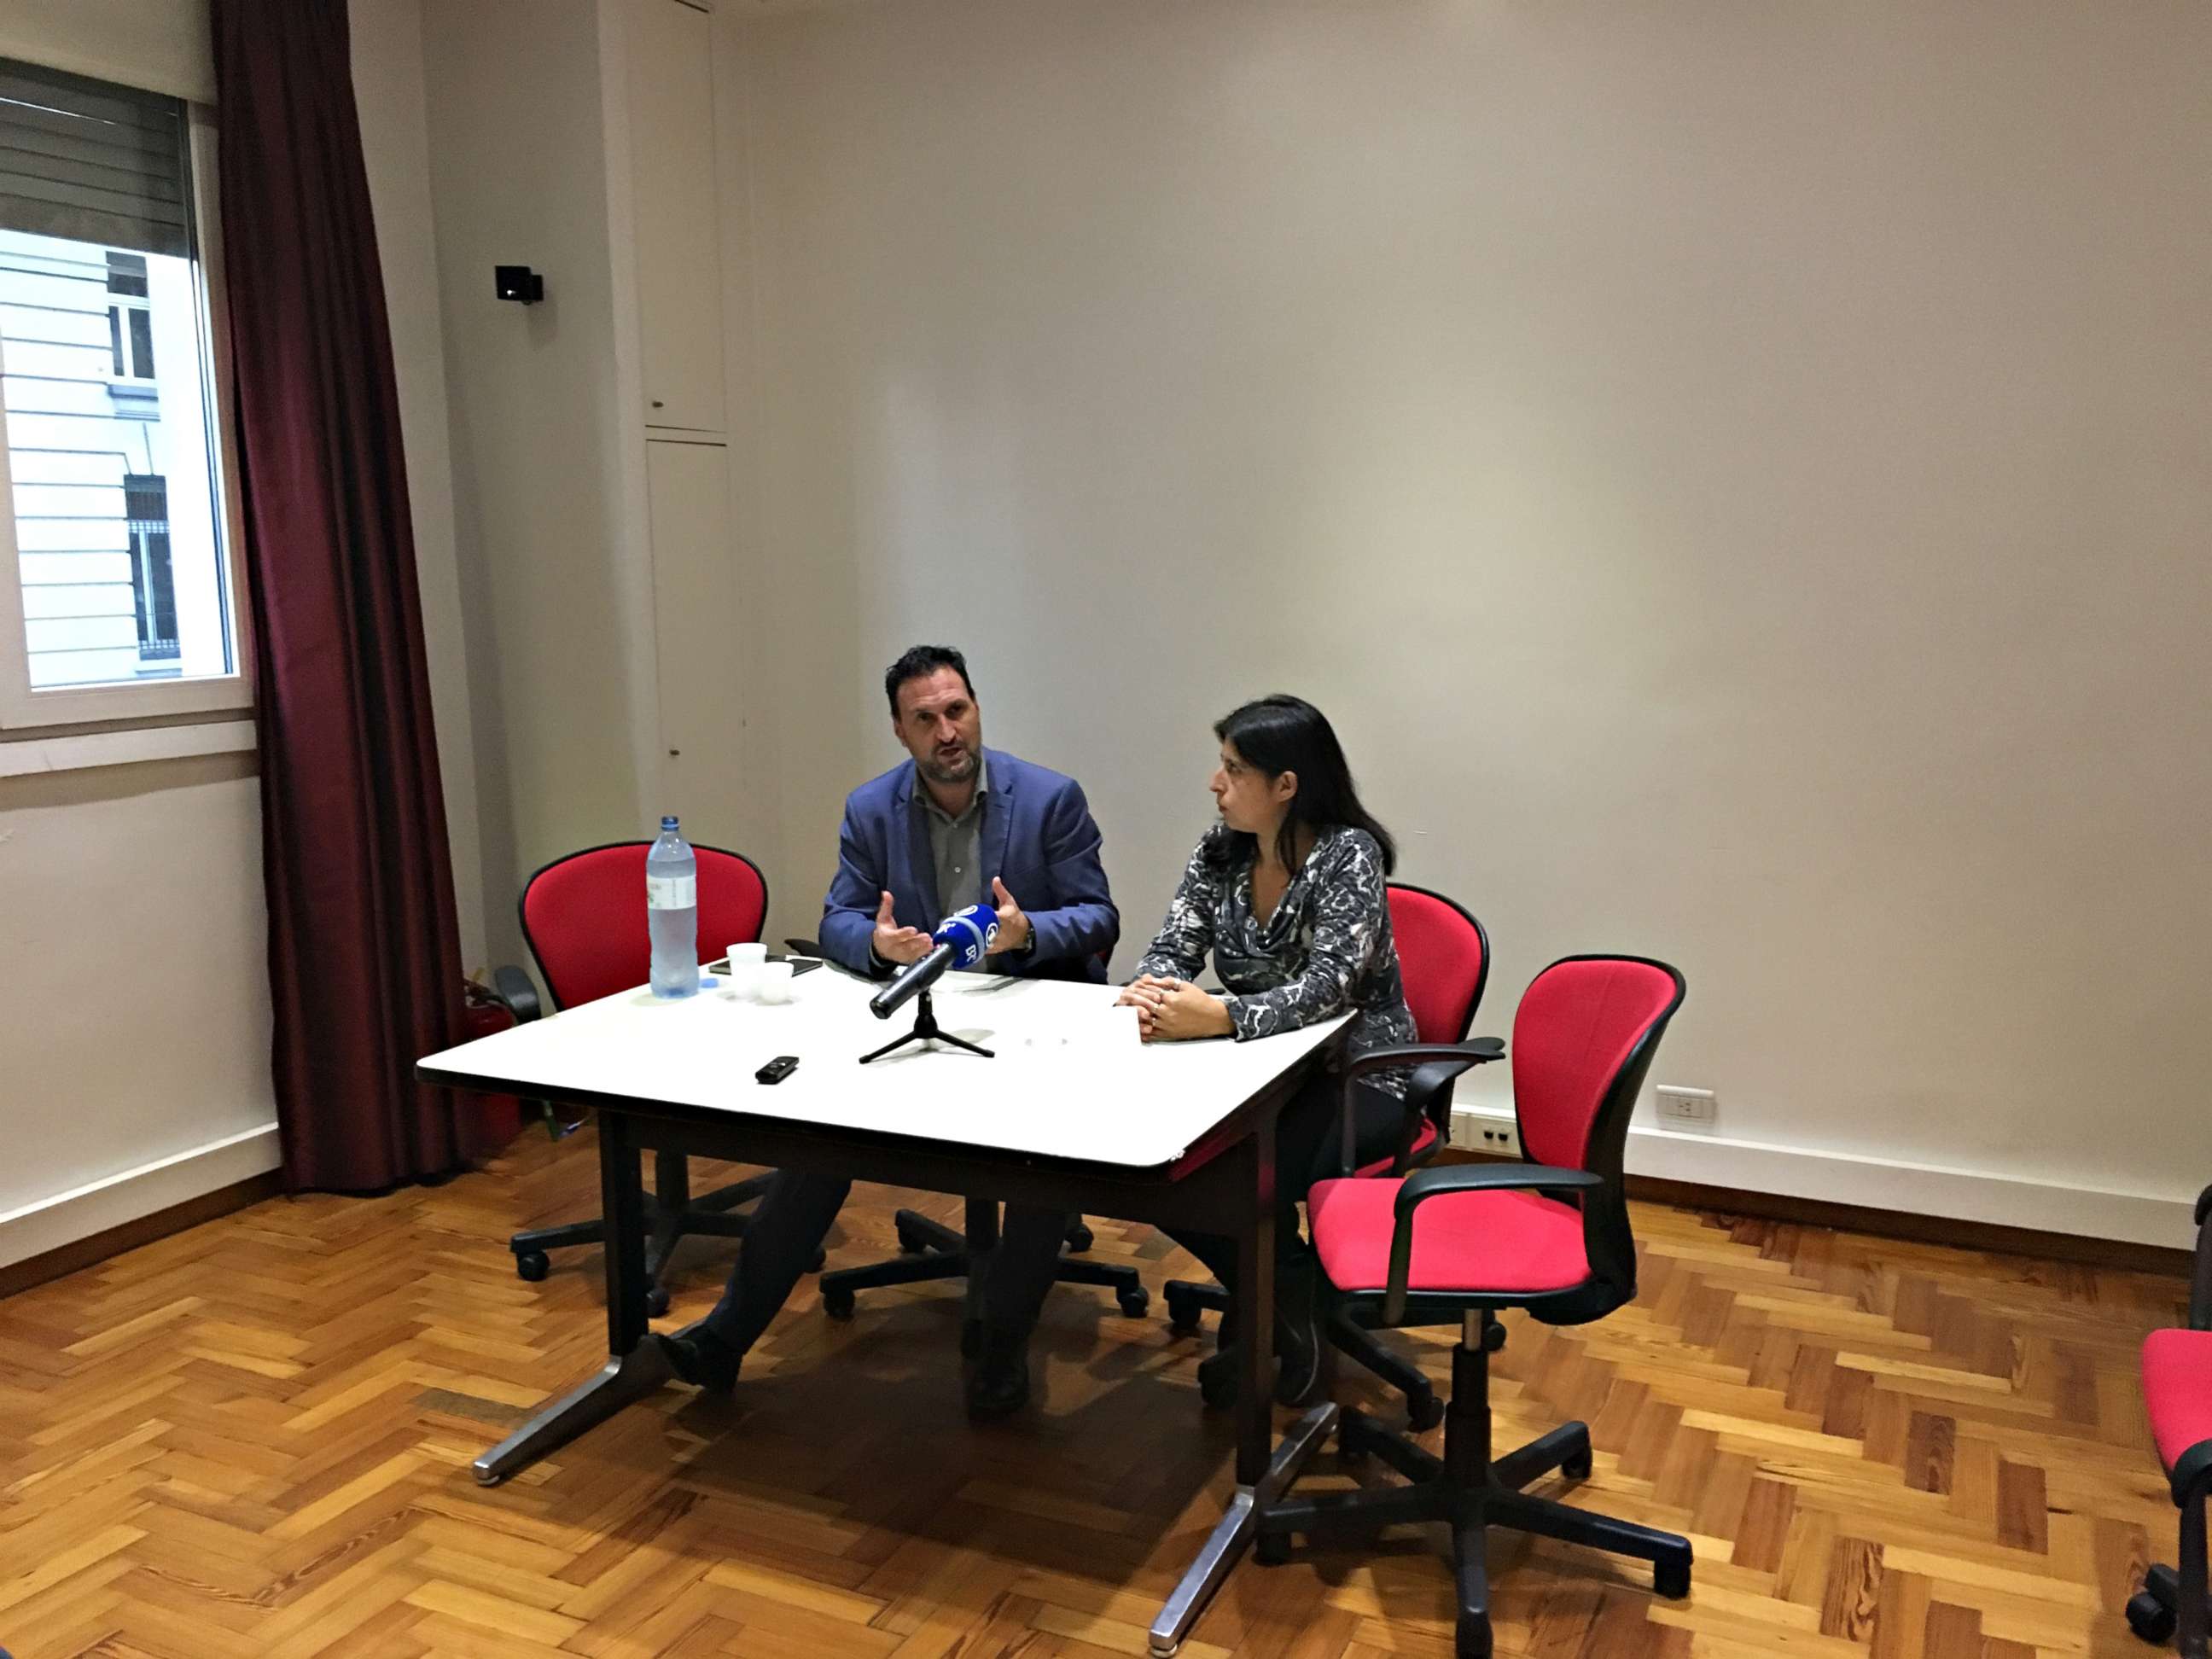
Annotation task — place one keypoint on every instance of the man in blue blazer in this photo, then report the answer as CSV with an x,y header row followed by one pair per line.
x,y
958,824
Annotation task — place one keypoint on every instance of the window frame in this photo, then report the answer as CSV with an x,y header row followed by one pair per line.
x,y
23,710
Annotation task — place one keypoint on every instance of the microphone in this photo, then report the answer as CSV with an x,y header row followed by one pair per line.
x,y
960,941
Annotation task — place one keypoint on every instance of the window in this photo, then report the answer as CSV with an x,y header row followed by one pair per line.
x,y
118,585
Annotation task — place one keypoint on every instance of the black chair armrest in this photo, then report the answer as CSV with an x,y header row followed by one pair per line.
x,y
514,991
1434,1064
1422,1185
1456,1056
2200,1282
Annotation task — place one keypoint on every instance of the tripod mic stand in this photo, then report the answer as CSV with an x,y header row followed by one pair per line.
x,y
927,1030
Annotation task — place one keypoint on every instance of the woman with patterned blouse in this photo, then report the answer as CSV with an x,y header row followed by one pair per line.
x,y
1287,894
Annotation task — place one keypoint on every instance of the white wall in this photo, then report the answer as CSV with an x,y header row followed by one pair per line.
x,y
517,177
1737,476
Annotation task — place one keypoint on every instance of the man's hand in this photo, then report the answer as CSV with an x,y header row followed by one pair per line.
x,y
1172,1010
1014,929
894,944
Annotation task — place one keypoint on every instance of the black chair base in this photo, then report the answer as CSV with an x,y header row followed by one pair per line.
x,y
672,1213
1467,1490
2154,1614
1188,1302
932,1251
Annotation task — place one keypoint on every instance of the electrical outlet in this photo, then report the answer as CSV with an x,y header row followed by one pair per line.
x,y
1695,1109
1498,1136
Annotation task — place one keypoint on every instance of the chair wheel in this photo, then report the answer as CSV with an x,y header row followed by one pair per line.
x,y
1671,1579
1182,1311
1133,1301
1472,1639
656,1301
2150,1618
911,1243
838,1304
1423,1412
821,1260
1080,1238
531,1266
1578,1467
1271,1549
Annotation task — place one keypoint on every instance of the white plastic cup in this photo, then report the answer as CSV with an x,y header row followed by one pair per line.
x,y
1122,1029
746,963
773,981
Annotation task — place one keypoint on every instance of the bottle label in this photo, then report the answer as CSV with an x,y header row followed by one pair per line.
x,y
671,892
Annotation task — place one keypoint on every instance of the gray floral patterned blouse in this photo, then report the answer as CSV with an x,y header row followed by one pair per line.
x,y
1326,950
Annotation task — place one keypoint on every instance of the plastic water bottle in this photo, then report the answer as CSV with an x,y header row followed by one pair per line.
x,y
671,908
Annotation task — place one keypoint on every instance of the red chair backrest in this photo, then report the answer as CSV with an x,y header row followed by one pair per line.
x,y
584,917
1444,958
1582,1039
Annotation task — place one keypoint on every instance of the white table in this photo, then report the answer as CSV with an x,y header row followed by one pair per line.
x,y
1071,1112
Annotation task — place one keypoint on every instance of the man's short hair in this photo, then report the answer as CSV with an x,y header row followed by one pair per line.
x,y
919,662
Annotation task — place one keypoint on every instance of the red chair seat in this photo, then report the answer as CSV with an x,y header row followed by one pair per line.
x,y
1422,1143
1503,1242
2177,1384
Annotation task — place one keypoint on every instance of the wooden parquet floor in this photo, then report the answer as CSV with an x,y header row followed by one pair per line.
x,y
253,1439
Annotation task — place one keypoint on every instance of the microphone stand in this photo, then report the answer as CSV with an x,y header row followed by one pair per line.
x,y
927,1030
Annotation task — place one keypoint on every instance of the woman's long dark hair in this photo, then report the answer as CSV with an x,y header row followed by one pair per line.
x,y
1280,734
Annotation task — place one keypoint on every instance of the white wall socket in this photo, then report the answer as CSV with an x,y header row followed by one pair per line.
x,y
1687,1108
1499,1135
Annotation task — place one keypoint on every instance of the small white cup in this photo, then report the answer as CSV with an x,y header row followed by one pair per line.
x,y
773,981
746,963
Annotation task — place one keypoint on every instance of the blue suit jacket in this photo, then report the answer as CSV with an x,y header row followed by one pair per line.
x,y
1037,836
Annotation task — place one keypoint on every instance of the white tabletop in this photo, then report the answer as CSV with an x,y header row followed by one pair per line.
x,y
1070,1078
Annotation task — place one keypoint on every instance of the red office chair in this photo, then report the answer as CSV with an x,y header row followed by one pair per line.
x,y
584,919
1462,1242
2177,1384
1444,955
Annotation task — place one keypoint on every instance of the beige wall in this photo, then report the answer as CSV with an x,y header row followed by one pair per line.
x,y
517,177
1737,475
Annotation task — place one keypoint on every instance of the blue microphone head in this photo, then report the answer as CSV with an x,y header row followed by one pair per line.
x,y
969,932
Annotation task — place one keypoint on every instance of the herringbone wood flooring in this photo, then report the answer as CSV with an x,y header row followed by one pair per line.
x,y
253,1438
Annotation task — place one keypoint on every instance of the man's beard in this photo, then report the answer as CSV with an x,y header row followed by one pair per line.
x,y
938,772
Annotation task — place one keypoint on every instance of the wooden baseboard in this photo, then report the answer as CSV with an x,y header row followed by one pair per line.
x,y
97,1247
1895,1223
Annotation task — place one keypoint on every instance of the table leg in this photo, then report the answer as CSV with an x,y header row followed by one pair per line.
x,y
1259,1477
634,1368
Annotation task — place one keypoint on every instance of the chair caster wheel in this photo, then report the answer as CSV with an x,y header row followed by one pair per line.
x,y
910,1244
1271,1549
821,1260
1578,1467
1080,1238
1671,1579
838,1304
2150,1618
1183,1312
532,1265
1424,1412
1472,1639
1133,1302
656,1301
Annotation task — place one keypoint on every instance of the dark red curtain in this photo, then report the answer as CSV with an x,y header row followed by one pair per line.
x,y
364,952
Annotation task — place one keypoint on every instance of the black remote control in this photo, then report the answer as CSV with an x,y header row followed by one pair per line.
x,y
778,1069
